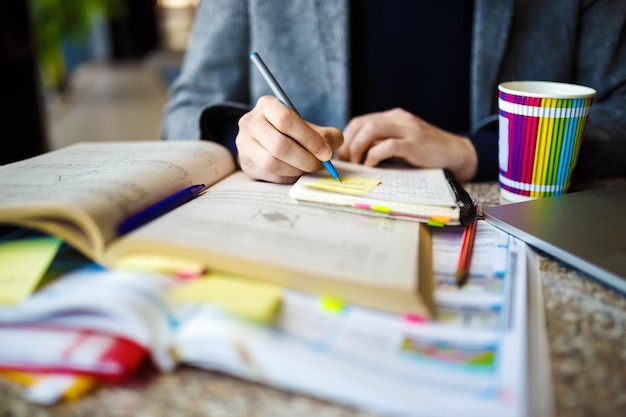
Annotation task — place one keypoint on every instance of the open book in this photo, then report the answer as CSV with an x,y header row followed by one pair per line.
x,y
82,193
426,195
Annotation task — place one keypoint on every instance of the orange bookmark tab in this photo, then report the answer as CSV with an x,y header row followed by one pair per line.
x,y
441,219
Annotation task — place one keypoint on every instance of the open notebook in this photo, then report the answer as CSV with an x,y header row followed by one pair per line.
x,y
584,229
431,196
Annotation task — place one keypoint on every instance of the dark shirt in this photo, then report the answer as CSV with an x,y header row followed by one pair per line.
x,y
416,54
413,54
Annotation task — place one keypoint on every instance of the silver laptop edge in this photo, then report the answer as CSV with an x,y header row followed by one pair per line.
x,y
575,244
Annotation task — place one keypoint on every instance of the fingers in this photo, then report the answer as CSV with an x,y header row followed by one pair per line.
x,y
364,132
277,145
331,135
259,164
398,134
385,150
290,124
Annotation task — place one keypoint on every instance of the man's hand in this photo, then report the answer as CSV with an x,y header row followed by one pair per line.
x,y
276,145
398,134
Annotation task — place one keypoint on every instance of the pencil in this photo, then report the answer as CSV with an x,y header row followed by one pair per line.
x,y
282,96
465,257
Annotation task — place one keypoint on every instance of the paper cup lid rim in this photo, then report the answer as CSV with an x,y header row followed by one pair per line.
x,y
546,89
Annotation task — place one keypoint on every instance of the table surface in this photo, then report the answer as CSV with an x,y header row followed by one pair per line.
x,y
586,329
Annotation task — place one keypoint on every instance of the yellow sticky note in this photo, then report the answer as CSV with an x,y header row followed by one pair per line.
x,y
23,263
353,186
162,264
252,300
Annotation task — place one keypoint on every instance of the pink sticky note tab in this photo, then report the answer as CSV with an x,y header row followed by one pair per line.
x,y
186,275
415,318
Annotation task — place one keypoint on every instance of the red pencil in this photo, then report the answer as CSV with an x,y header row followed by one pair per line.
x,y
465,258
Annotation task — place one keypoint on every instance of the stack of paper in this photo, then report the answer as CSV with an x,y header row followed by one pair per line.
x,y
475,352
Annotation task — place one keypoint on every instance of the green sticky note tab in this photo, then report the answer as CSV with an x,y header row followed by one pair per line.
x,y
332,304
381,209
252,300
432,222
23,263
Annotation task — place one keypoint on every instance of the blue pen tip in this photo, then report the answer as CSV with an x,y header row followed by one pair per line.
x,y
331,169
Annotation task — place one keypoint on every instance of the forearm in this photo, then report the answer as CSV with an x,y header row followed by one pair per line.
x,y
210,74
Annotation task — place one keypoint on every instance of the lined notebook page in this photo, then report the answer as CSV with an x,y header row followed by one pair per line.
x,y
401,185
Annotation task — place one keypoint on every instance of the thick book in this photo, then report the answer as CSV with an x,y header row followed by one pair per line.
x,y
377,362
426,195
84,192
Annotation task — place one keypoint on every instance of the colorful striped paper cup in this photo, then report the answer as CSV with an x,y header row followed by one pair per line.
x,y
541,128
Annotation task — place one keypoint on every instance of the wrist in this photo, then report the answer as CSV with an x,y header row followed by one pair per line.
x,y
467,160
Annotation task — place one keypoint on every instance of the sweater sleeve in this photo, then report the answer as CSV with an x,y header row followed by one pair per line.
x,y
219,123
486,144
211,74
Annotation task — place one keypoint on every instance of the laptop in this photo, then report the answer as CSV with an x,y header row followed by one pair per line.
x,y
586,229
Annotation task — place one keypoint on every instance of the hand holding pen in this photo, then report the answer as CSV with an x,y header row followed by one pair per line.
x,y
275,144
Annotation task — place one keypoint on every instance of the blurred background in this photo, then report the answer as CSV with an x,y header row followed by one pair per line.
x,y
86,70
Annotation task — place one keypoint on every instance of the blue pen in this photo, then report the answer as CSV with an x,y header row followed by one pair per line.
x,y
278,92
159,208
